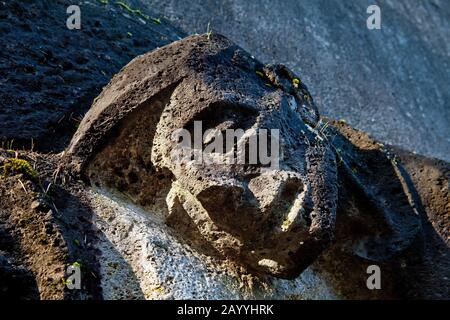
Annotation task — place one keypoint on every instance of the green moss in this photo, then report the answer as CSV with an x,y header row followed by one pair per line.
x,y
113,265
286,223
260,73
158,289
156,20
66,282
13,166
125,6
306,95
137,12
96,99
394,160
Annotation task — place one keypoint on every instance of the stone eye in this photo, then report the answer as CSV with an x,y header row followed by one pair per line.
x,y
222,115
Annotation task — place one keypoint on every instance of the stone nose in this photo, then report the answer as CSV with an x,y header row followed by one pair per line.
x,y
281,196
273,186
231,207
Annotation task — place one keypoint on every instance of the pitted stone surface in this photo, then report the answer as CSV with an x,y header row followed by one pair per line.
x,y
273,220
208,78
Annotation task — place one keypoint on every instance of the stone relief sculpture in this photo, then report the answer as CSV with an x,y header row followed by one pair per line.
x,y
328,186
294,205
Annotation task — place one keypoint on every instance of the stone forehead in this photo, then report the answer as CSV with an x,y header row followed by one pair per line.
x,y
213,64
208,70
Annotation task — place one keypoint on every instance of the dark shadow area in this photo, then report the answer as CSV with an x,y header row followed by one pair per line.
x,y
16,281
76,222
382,220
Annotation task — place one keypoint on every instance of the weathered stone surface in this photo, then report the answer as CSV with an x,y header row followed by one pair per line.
x,y
49,75
132,254
237,209
413,266
378,204
272,220
137,248
127,251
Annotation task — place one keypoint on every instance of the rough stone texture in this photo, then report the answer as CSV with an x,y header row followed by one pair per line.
x,y
49,75
431,178
237,209
378,205
133,246
392,83
272,220
396,183
46,223
137,248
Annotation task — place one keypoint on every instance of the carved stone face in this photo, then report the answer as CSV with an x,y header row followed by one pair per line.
x,y
274,219
261,214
